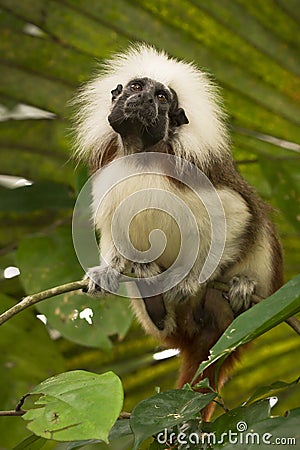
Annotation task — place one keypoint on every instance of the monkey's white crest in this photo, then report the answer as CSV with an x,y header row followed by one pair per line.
x,y
203,138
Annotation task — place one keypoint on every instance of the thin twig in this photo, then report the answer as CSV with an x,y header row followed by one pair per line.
x,y
36,298
221,403
21,402
21,412
124,415
13,412
18,411
76,285
49,293
294,323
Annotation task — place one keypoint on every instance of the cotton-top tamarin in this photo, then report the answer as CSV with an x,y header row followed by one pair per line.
x,y
145,103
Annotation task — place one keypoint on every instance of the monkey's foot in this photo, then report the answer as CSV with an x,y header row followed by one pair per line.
x,y
240,292
102,280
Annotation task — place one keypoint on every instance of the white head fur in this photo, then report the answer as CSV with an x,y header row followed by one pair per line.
x,y
203,139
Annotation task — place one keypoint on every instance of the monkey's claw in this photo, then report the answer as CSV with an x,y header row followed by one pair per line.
x,y
240,292
102,280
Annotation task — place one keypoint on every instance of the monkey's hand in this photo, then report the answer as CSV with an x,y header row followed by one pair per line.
x,y
102,280
240,292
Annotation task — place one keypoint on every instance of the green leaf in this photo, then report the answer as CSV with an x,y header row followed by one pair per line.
x,y
166,410
82,444
76,405
120,429
67,25
250,414
238,420
268,390
252,427
257,320
31,443
30,51
282,428
203,384
48,261
42,153
36,90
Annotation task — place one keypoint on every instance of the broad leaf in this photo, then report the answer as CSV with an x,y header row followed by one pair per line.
x,y
203,384
279,429
166,410
76,405
253,427
31,443
257,320
269,390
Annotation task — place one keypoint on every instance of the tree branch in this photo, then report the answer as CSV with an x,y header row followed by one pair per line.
x,y
124,415
36,298
20,412
76,285
13,412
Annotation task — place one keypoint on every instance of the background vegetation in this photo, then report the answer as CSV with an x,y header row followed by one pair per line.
x,y
47,49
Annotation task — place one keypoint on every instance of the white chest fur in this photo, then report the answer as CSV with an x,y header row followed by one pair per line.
x,y
147,217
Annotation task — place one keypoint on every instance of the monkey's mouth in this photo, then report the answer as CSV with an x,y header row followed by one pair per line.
x,y
138,121
145,116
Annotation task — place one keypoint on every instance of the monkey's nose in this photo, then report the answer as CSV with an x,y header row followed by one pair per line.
x,y
146,97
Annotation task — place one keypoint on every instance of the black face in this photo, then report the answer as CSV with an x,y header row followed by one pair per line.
x,y
145,109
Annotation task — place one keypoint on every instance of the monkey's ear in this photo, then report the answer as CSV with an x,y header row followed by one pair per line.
x,y
116,92
178,117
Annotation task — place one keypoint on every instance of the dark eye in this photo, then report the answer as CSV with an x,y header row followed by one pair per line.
x,y
136,87
162,97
